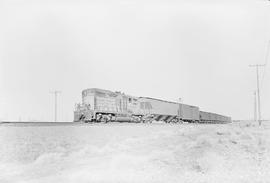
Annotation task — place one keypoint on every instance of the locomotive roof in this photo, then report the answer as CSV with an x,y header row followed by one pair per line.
x,y
108,92
97,89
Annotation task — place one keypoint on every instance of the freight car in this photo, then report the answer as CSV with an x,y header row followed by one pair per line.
x,y
104,105
208,117
161,110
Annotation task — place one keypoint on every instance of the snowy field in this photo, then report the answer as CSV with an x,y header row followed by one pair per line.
x,y
149,153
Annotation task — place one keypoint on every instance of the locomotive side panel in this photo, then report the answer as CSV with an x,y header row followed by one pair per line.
x,y
133,106
105,101
106,104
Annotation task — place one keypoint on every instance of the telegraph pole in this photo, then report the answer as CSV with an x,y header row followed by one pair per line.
x,y
55,103
258,91
255,106
180,108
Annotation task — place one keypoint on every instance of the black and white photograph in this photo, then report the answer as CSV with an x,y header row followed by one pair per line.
x,y
134,91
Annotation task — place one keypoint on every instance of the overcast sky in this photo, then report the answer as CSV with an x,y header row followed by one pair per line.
x,y
199,51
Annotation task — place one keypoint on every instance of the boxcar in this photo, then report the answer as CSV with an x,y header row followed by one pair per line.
x,y
162,110
208,117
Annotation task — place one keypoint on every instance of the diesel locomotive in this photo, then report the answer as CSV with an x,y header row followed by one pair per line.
x,y
100,105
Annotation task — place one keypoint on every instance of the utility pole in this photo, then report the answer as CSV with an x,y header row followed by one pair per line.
x,y
180,109
55,103
255,106
258,91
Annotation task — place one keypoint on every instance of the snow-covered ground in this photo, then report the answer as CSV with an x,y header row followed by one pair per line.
x,y
188,153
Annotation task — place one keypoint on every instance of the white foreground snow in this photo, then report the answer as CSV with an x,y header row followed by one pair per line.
x,y
189,153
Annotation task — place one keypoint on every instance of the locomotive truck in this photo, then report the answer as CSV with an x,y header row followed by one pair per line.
x,y
100,105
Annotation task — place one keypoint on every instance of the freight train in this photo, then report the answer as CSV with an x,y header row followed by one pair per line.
x,y
100,105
